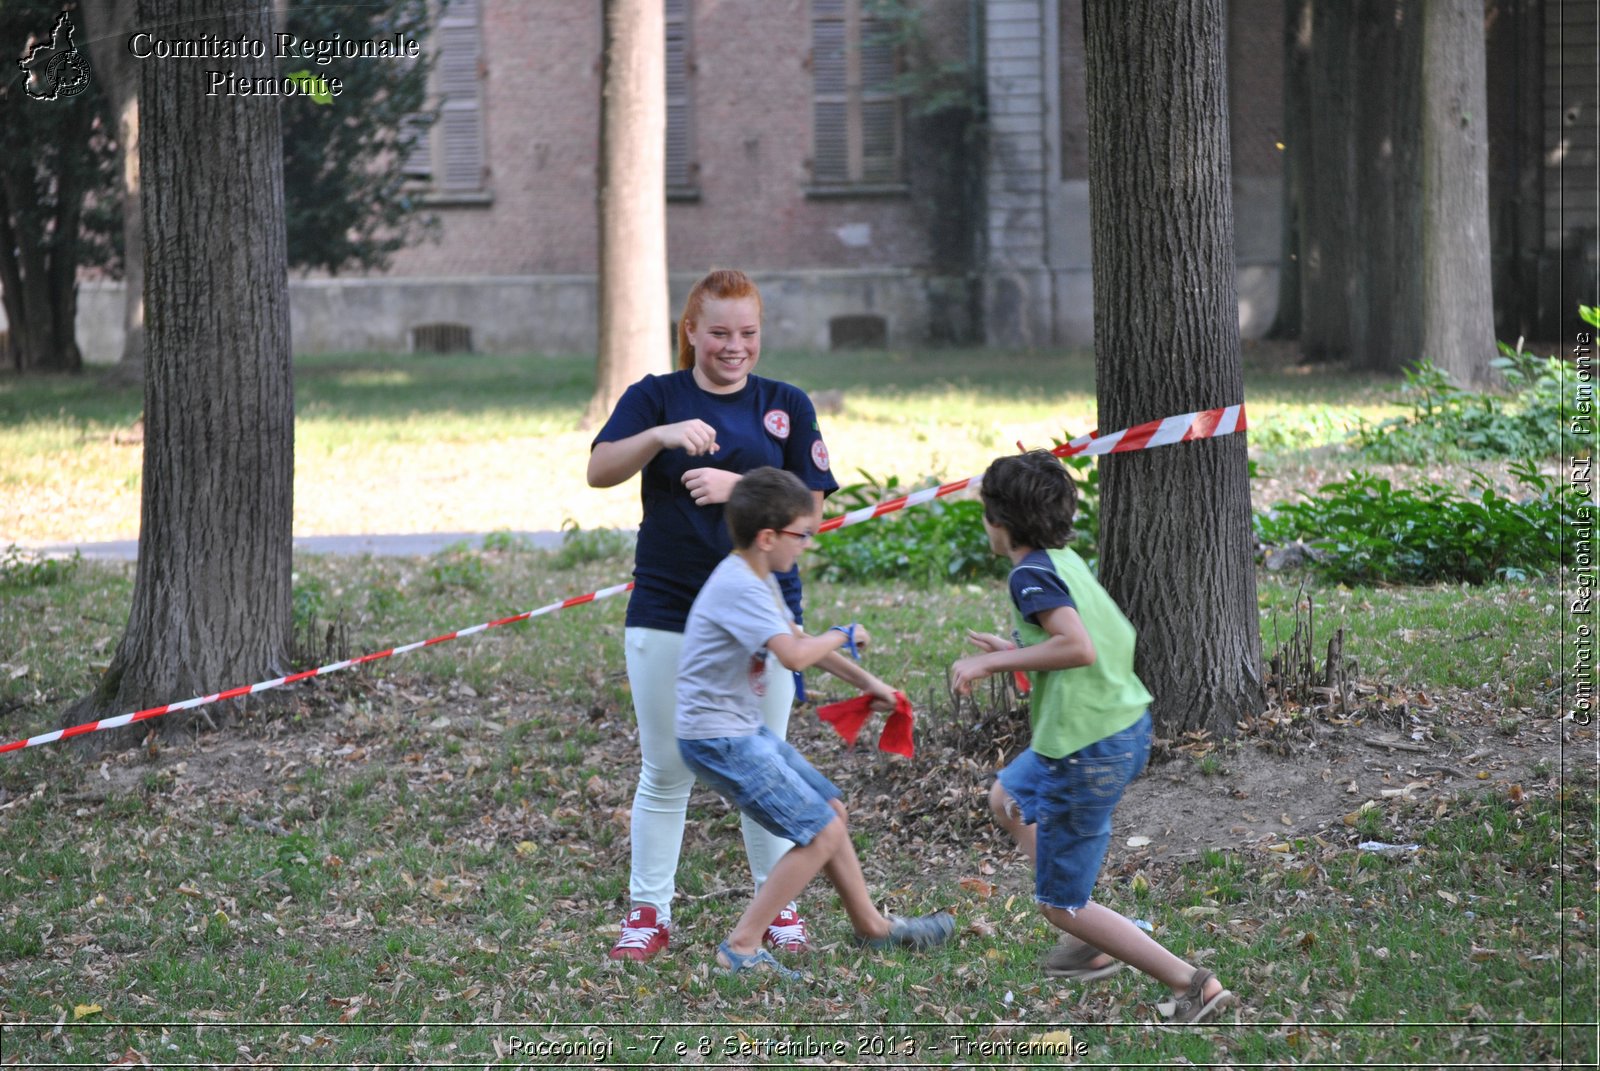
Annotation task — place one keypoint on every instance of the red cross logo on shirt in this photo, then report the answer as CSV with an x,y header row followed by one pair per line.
x,y
777,422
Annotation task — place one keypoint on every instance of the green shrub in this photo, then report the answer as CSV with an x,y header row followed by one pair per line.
x,y
942,540
1448,423
458,566
579,545
1365,530
309,602
24,569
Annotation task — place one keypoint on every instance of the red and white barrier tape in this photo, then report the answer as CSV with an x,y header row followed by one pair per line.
x,y
333,667
1206,424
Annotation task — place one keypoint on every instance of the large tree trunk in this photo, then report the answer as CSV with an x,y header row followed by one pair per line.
x,y
1388,182
211,601
109,25
1457,303
1175,524
635,323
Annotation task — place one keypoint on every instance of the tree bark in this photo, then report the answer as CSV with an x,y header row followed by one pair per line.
x,y
635,322
1332,303
1457,301
1175,535
1290,319
109,24
212,595
1514,62
1388,180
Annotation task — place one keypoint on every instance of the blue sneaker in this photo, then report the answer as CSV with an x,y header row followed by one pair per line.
x,y
759,960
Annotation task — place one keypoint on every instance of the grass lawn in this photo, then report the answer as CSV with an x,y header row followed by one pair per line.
x,y
424,862
476,444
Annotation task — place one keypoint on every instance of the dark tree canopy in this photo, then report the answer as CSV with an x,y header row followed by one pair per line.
x,y
348,202
57,168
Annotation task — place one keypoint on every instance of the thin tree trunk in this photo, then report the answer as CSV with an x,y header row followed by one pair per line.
x,y
1332,305
1457,300
1290,320
211,600
1175,525
109,25
1388,56
39,271
635,322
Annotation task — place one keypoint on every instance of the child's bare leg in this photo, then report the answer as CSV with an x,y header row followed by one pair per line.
x,y
1009,817
844,873
1109,931
792,873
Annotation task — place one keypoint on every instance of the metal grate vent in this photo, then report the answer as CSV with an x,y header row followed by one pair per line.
x,y
863,331
441,338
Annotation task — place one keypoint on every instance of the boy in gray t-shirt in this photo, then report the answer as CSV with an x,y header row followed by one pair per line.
x,y
738,621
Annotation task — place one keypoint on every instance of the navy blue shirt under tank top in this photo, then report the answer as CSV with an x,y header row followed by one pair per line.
x,y
763,423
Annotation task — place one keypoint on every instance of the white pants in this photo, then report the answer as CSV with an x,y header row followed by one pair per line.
x,y
661,801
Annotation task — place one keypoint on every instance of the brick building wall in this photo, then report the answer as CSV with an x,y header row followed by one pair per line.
x,y
750,86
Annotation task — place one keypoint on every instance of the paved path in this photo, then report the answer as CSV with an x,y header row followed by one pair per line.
x,y
383,546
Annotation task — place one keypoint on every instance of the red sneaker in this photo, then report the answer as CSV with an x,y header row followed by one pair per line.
x,y
788,932
641,936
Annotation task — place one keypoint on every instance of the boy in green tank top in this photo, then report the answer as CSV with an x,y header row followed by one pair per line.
x,y
1091,729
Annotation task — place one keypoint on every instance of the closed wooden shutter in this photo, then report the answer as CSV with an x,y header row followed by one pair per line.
x,y
459,158
680,140
449,150
856,112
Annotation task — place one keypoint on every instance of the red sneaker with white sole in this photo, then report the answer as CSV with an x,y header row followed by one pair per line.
x,y
787,933
642,937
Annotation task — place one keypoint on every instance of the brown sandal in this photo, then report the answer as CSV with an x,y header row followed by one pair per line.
x,y
1190,1006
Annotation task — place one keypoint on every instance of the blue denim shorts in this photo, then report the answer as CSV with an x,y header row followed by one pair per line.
x,y
767,779
1069,801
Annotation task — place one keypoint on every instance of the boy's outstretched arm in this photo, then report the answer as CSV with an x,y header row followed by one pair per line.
x,y
1067,647
800,647
796,650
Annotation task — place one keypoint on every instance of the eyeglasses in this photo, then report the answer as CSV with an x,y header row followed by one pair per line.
x,y
803,537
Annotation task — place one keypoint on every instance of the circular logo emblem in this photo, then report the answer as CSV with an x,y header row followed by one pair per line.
x,y
68,74
777,423
819,455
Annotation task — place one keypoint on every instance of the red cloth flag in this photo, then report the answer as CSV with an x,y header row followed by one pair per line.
x,y
848,716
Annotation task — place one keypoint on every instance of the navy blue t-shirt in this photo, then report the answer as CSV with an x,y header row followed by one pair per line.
x,y
764,423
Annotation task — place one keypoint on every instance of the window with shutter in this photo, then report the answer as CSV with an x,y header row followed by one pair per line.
x,y
449,153
681,178
856,111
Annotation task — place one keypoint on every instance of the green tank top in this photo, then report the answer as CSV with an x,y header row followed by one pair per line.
x,y
1073,708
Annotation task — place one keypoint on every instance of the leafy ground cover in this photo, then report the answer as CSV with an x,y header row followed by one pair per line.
x,y
425,862
443,841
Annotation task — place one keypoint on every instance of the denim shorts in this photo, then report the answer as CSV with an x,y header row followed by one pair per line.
x,y
1069,801
767,779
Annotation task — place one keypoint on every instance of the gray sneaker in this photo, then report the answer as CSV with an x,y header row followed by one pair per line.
x,y
1070,960
923,931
